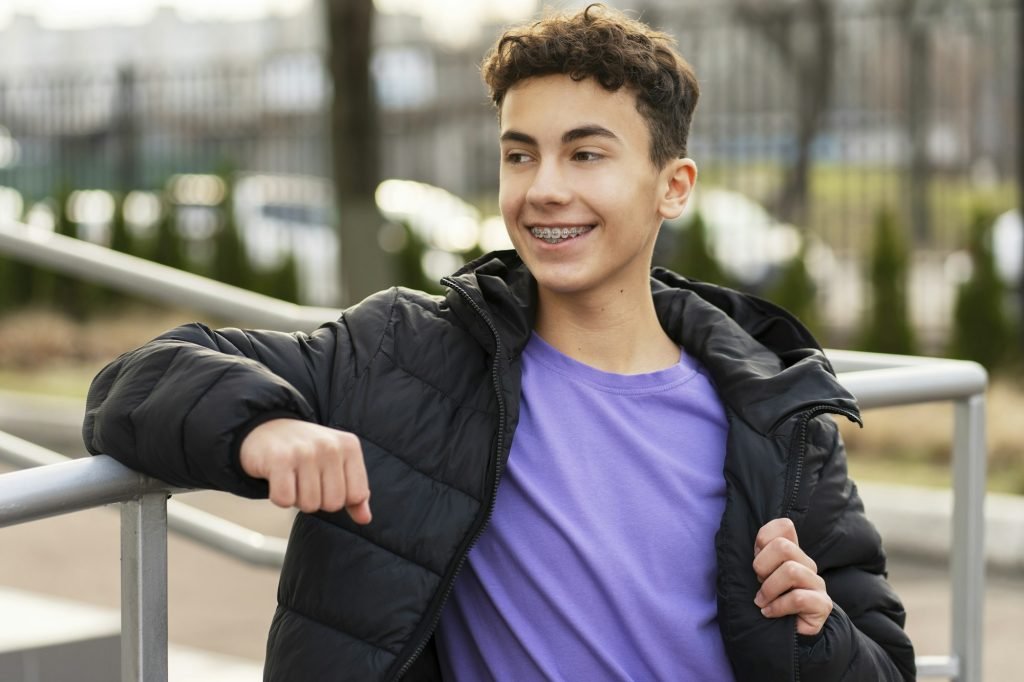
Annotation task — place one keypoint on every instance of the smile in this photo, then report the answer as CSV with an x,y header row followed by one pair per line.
x,y
554,235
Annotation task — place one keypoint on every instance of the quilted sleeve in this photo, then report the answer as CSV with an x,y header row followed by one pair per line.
x,y
178,407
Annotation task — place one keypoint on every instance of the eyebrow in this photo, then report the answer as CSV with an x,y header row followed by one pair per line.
x,y
569,136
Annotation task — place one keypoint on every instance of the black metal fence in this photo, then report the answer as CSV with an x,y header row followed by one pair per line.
x,y
825,117
135,127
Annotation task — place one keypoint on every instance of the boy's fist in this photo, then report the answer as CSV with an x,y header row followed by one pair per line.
x,y
790,584
309,466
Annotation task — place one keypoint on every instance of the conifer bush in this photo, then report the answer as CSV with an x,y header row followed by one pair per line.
x,y
887,326
796,291
982,329
693,258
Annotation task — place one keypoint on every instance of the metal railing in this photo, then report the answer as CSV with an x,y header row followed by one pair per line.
x,y
880,380
876,380
147,279
53,485
207,529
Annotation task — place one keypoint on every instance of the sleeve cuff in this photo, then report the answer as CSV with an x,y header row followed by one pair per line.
x,y
255,487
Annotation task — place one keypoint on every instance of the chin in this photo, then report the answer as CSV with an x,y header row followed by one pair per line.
x,y
561,283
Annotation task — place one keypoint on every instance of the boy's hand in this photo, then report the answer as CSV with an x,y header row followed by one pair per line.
x,y
309,466
790,583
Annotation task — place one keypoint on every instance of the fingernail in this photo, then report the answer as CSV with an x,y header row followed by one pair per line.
x,y
759,600
765,611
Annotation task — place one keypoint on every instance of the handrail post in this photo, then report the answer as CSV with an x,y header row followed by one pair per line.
x,y
144,589
968,546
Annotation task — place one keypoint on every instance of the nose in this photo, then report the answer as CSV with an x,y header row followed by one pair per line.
x,y
549,184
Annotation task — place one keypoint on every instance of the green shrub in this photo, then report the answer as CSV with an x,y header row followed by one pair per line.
x,y
283,282
409,263
693,258
796,292
230,264
169,247
887,325
982,330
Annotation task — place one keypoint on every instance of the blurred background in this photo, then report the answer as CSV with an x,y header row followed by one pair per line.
x,y
860,163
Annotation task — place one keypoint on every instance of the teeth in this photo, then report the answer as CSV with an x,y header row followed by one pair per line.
x,y
553,235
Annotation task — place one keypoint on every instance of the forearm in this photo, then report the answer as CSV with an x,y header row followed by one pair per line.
x,y
174,410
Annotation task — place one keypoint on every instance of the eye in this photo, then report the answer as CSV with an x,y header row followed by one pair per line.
x,y
587,156
516,158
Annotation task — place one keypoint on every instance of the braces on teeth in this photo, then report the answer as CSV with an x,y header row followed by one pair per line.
x,y
556,234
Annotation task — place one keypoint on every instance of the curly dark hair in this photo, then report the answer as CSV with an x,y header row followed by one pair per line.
x,y
616,51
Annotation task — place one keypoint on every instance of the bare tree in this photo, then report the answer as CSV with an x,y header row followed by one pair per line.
x,y
918,93
365,268
802,33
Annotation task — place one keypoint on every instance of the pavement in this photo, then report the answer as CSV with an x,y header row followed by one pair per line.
x,y
221,607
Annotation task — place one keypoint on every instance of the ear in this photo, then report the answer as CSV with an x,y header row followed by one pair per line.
x,y
676,180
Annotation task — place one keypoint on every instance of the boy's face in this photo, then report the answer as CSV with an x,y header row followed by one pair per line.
x,y
576,160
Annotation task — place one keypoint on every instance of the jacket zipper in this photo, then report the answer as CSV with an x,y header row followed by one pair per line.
x,y
807,416
499,447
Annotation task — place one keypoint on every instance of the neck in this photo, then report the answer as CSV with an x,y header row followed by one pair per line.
x,y
616,331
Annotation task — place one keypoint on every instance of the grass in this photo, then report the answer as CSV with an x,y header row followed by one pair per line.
x,y
897,467
844,200
63,381
913,443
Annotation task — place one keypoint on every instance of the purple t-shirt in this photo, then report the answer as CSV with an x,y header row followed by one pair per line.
x,y
599,560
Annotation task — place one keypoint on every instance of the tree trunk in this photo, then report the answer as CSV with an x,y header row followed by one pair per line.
x,y
814,74
918,107
365,268
810,64
125,130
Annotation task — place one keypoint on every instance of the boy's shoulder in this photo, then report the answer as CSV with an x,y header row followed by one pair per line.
x,y
393,303
409,324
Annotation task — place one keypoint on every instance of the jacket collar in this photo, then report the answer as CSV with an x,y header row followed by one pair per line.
x,y
765,364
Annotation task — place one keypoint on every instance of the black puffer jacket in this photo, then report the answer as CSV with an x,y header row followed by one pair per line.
x,y
431,387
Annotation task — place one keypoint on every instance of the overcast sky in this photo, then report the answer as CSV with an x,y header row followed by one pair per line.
x,y
82,13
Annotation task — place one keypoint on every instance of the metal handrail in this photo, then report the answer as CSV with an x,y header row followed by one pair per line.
x,y
875,379
207,529
879,380
145,278
71,486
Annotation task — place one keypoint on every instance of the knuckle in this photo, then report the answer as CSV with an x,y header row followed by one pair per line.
x,y
332,505
349,442
295,456
781,544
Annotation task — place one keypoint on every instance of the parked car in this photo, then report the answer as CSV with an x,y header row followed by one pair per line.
x,y
278,214
749,244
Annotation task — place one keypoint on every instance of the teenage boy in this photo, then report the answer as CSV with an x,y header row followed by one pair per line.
x,y
580,469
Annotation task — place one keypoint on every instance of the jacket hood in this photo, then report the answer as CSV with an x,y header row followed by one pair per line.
x,y
764,362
